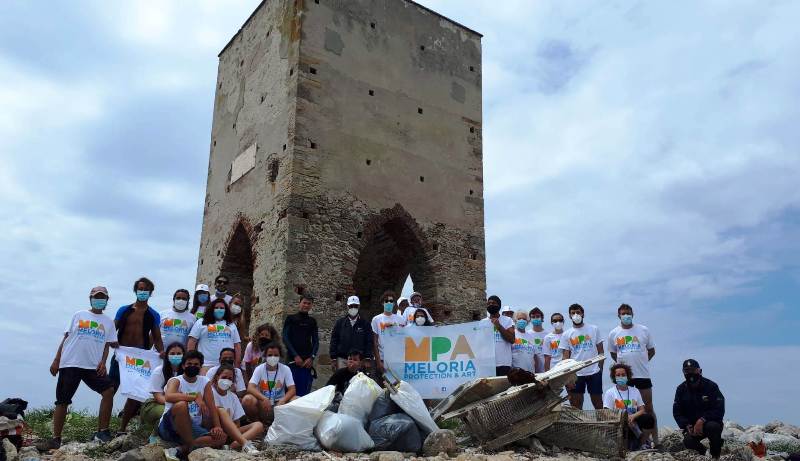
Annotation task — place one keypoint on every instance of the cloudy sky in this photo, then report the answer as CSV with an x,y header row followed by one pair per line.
x,y
655,153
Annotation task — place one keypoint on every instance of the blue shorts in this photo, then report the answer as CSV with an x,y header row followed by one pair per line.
x,y
166,430
594,383
303,379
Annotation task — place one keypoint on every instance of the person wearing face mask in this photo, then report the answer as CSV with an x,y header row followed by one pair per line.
x,y
523,352
221,289
633,345
190,416
583,342
254,352
153,408
349,332
416,304
504,336
226,357
623,397
552,353
301,338
231,411
538,333
419,319
178,321
137,326
383,324
698,410
201,299
237,315
81,356
271,385
215,332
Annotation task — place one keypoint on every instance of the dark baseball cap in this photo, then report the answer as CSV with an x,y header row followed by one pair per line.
x,y
691,364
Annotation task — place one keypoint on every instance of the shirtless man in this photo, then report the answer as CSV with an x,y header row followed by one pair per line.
x,y
137,326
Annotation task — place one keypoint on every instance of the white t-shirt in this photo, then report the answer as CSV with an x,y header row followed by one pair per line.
x,y
228,298
157,382
582,343
523,350
175,326
212,338
628,400
631,347
502,348
538,347
272,383
408,314
195,388
87,335
229,402
551,342
238,378
383,324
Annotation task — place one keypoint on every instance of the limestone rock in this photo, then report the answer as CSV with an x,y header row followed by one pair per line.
x,y
471,457
10,449
132,455
28,454
122,443
387,456
440,441
733,425
782,443
648,455
211,454
505,456
741,453
689,455
153,452
673,442
788,429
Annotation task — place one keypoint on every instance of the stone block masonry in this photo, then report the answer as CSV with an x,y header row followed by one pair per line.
x,y
346,155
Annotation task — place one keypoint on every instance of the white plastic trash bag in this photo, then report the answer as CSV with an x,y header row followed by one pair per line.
x,y
344,433
407,398
294,422
359,397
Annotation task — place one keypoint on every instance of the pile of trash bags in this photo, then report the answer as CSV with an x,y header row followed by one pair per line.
x,y
366,418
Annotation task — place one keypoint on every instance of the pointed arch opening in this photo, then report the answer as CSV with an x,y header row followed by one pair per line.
x,y
238,265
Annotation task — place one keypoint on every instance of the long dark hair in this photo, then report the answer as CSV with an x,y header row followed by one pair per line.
x,y
274,336
208,315
166,366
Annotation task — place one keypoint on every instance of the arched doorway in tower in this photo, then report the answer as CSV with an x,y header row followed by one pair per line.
x,y
237,265
392,252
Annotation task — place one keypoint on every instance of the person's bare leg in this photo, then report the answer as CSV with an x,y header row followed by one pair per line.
x,y
252,431
106,405
59,416
597,401
647,396
210,440
576,400
182,423
128,412
231,429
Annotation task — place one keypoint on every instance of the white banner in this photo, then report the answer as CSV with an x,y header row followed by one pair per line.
x,y
135,368
436,360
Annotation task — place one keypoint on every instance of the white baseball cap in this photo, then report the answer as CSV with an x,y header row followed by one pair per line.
x,y
353,300
201,287
506,309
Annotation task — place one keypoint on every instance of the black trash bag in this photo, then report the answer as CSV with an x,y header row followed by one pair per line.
x,y
383,406
397,432
10,408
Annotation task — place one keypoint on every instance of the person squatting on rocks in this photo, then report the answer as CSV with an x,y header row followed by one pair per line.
x,y
231,411
698,410
138,325
153,408
81,356
254,356
350,332
301,337
622,396
503,335
583,342
213,333
271,385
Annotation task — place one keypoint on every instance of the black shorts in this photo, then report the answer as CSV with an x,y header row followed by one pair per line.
x,y
70,378
592,383
641,383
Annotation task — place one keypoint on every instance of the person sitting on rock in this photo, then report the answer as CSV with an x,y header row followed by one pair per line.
x,y
341,378
698,409
190,415
231,411
271,385
153,408
257,347
623,397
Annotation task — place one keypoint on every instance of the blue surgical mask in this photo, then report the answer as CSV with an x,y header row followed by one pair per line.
x,y
387,307
219,313
621,380
627,319
203,298
521,324
142,295
537,322
175,360
98,303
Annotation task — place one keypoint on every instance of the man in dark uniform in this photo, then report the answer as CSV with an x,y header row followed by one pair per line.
x,y
698,409
301,337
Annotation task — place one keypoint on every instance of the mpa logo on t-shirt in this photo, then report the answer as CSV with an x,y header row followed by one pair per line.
x,y
91,329
175,325
628,344
554,344
581,343
219,332
140,366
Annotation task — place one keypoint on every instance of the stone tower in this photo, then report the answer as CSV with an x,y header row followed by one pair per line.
x,y
345,156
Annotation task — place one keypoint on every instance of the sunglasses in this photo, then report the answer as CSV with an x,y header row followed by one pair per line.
x,y
222,282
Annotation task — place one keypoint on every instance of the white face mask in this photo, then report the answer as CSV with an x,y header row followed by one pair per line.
x,y
420,321
577,319
225,384
273,360
180,305
352,312
559,325
236,309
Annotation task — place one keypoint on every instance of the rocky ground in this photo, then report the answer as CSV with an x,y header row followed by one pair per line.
x,y
781,440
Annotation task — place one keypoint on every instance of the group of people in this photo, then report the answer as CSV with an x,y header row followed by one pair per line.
x,y
210,392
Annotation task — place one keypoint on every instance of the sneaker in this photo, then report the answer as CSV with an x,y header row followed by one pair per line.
x,y
249,448
103,436
171,454
54,443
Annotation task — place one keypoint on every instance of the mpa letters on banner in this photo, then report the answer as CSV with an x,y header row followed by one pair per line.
x,y
436,360
135,368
